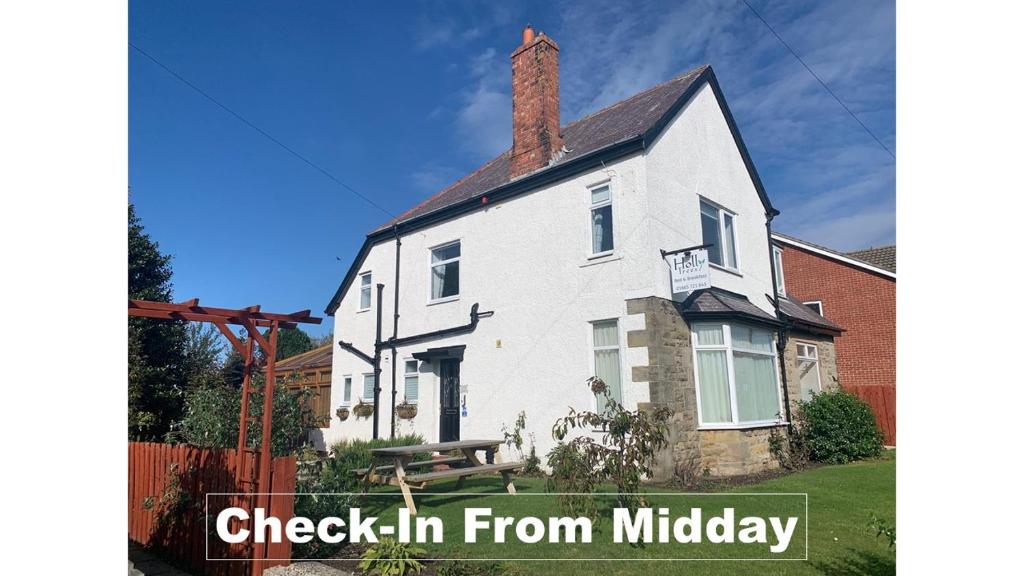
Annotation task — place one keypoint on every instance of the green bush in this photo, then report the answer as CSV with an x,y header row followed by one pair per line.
x,y
838,427
212,413
390,557
315,502
349,455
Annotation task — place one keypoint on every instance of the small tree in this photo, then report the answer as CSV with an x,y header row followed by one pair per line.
x,y
626,451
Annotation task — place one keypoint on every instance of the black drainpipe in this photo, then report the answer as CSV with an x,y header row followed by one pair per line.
x,y
783,334
377,345
394,333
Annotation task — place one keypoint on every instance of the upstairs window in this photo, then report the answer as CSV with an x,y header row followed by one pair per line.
x,y
816,306
444,271
412,381
780,280
718,227
602,240
365,280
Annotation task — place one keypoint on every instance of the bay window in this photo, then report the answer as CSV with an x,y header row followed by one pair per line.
x,y
737,383
718,231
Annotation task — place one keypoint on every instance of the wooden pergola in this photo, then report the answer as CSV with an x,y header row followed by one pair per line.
x,y
252,319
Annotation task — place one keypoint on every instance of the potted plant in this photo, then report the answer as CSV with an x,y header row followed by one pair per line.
x,y
363,410
342,413
405,410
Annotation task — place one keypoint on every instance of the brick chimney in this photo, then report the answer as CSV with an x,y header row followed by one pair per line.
x,y
535,123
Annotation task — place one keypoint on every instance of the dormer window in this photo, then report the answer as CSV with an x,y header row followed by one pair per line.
x,y
718,227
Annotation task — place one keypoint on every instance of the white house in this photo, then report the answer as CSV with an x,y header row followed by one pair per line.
x,y
560,238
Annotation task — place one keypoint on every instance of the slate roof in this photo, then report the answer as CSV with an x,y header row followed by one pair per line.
x,y
621,121
883,257
800,314
715,303
316,358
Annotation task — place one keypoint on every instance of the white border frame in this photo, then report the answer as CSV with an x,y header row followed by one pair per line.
x,y
816,360
780,276
419,377
362,388
591,349
359,296
738,269
821,306
430,271
346,403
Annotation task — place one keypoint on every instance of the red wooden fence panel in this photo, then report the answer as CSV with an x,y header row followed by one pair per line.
x,y
882,400
167,500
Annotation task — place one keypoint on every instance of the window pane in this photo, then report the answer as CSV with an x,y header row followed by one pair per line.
x,y
364,297
810,379
709,334
347,396
713,378
369,383
730,241
445,280
606,333
780,280
757,394
749,338
598,195
709,232
446,252
601,227
412,387
365,280
606,367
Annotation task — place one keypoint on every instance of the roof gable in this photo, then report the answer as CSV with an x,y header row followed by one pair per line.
x,y
621,129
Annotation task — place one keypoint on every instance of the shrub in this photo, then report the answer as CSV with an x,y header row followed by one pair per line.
x,y
212,413
389,557
349,455
838,427
316,503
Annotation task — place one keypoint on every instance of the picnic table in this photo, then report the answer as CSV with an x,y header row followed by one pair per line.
x,y
394,466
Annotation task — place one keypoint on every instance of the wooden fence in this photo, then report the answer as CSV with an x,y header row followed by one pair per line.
x,y
167,505
882,400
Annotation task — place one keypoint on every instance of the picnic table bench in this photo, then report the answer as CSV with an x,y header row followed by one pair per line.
x,y
394,466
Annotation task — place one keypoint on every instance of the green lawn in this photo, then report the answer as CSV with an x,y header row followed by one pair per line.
x,y
840,500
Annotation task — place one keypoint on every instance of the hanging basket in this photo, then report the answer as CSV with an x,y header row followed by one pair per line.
x,y
363,410
406,411
342,413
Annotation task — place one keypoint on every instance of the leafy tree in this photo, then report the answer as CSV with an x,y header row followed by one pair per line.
x,y
156,349
204,350
291,342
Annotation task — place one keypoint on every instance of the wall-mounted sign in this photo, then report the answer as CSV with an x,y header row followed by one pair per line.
x,y
690,270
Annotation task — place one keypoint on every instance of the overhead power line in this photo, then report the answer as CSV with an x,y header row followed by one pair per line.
x,y
820,81
261,131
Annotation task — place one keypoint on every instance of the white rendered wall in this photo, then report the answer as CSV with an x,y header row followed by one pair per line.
x,y
527,260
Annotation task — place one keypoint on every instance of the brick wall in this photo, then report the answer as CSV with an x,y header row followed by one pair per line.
x,y
864,304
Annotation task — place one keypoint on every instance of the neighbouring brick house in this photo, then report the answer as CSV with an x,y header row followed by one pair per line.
x,y
856,290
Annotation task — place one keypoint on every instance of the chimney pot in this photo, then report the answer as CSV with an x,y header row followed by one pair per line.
x,y
527,34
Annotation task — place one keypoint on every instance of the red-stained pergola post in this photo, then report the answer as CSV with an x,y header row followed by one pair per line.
x,y
251,319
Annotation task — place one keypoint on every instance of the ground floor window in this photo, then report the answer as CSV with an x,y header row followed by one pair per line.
x,y
412,381
807,369
606,359
369,383
737,377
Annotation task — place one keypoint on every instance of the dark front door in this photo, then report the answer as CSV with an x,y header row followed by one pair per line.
x,y
449,400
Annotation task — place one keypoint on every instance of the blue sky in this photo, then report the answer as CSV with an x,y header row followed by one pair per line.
x,y
399,99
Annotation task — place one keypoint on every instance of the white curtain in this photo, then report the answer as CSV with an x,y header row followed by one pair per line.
x,y
709,334
606,362
757,394
369,383
713,375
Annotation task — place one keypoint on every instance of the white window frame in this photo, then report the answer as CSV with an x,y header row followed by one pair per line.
x,y
821,307
346,401
590,217
722,212
780,277
815,359
369,288
362,390
734,403
430,271
593,356
405,379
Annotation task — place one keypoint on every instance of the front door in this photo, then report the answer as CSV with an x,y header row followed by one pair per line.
x,y
449,400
